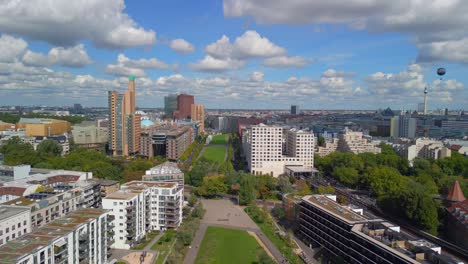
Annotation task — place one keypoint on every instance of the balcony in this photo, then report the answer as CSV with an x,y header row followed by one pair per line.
x,y
83,238
171,204
172,223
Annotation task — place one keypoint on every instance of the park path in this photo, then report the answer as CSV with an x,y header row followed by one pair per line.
x,y
118,254
224,213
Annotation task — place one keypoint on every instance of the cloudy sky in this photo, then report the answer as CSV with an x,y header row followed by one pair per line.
x,y
334,54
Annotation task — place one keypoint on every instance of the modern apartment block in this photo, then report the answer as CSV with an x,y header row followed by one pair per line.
x,y
124,123
81,237
331,145
353,238
15,221
270,152
166,172
170,142
198,114
353,141
141,206
423,148
58,201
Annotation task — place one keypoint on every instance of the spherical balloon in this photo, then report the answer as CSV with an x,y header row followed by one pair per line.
x,y
441,71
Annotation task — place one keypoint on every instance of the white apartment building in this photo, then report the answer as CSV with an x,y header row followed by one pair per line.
x,y
353,141
15,221
81,237
423,148
263,148
141,206
331,145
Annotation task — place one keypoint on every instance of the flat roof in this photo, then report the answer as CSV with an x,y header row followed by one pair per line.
x,y
334,208
31,242
123,194
105,182
9,211
145,184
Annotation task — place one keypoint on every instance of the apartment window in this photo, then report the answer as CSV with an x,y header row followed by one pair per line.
x,y
19,225
7,230
24,223
24,231
12,227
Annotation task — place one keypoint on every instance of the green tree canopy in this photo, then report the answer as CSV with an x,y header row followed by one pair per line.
x,y
49,148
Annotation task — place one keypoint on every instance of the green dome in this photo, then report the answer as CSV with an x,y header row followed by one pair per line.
x,y
131,78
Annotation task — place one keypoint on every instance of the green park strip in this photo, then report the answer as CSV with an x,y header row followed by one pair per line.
x,y
221,245
219,140
146,240
214,154
163,246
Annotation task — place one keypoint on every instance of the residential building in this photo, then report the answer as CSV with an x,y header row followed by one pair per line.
x,y
81,237
15,221
351,237
170,142
141,206
330,147
184,106
198,114
423,148
89,134
166,172
124,123
352,141
266,153
170,105
295,110
44,127
6,126
403,126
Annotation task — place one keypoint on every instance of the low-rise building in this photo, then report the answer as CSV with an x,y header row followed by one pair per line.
x,y
141,206
170,141
331,146
15,221
81,237
423,148
351,237
107,186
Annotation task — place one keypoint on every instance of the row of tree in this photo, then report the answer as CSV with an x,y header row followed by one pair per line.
x,y
404,191
14,118
48,156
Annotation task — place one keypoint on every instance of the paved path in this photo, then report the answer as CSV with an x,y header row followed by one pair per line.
x,y
224,213
119,254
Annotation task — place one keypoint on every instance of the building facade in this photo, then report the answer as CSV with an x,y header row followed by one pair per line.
x,y
170,105
141,206
184,106
90,135
267,153
353,141
198,114
350,237
403,126
81,237
124,123
15,221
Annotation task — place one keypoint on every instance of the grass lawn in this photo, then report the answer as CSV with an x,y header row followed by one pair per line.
x,y
221,245
163,245
219,140
214,153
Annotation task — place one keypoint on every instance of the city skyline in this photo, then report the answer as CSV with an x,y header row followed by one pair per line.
x,y
236,55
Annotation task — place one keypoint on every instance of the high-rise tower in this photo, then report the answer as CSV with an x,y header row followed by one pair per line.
x,y
124,124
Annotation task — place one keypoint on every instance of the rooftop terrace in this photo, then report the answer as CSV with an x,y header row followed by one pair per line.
x,y
334,208
9,211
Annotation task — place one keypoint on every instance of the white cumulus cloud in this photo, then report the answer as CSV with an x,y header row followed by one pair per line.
x,y
181,46
71,57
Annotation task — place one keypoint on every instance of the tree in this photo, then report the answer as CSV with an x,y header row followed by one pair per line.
x,y
321,141
212,186
17,153
192,200
325,190
49,148
284,184
247,190
349,176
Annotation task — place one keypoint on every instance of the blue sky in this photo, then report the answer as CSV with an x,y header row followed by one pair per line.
x,y
235,53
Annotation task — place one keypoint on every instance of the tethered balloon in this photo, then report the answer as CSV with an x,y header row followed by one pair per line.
x,y
441,72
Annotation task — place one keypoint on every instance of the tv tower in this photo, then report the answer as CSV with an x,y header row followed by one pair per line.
x,y
425,100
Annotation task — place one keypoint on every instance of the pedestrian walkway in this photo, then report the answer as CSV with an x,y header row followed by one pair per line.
x,y
129,254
